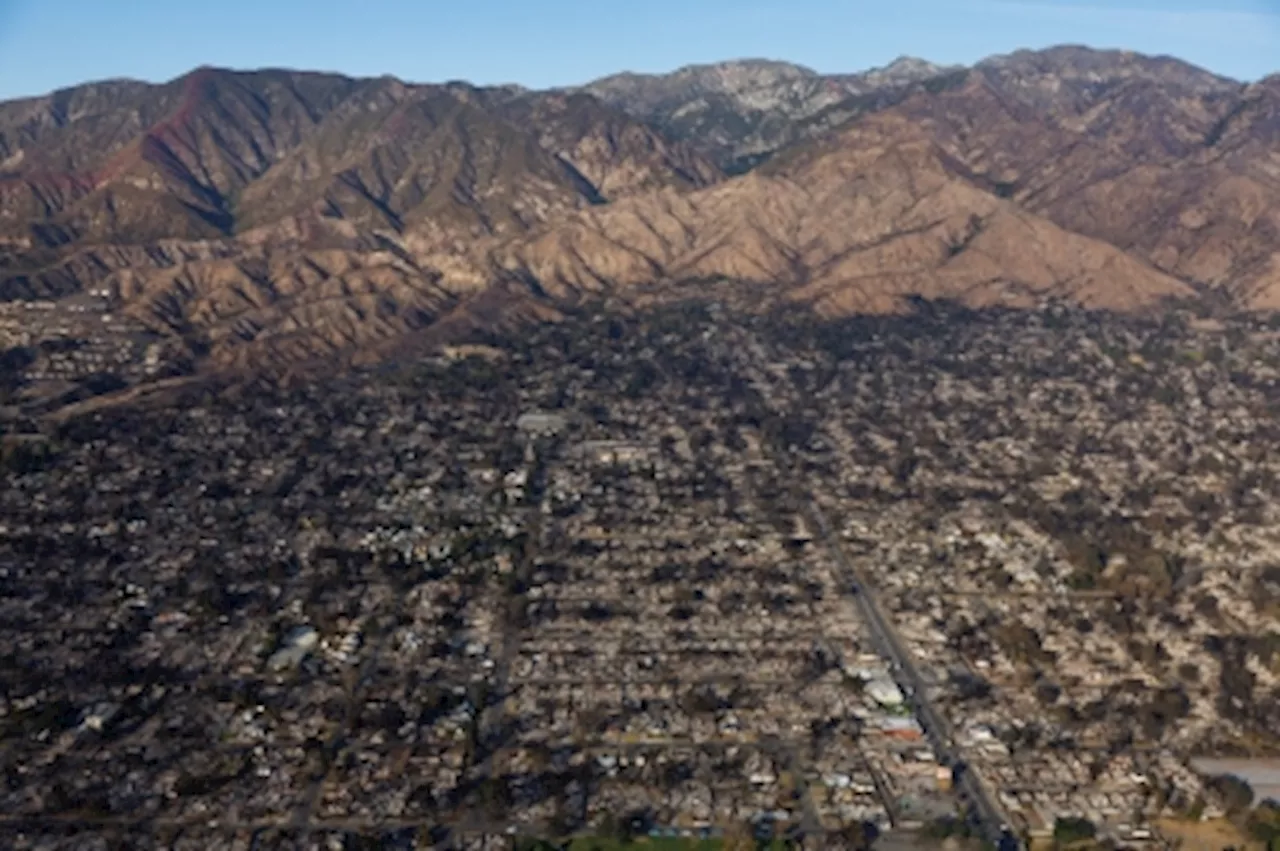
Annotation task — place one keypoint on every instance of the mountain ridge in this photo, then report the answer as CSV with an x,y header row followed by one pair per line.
x,y
275,216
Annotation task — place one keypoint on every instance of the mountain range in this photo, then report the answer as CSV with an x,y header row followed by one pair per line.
x,y
278,216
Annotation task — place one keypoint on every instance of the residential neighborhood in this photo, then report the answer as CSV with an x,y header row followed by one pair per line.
x,y
680,574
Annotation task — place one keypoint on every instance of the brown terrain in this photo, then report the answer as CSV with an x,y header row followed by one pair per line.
x,y
274,217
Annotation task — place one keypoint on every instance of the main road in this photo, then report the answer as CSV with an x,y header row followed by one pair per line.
x,y
991,818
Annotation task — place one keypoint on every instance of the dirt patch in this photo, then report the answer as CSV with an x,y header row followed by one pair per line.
x,y
1211,835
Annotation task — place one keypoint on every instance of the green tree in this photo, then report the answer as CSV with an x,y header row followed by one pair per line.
x,y
1236,794
860,835
1264,823
1070,830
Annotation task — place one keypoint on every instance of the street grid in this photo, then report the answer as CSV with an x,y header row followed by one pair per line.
x,y
545,644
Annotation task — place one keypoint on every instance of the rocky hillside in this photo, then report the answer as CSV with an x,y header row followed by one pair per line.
x,y
740,113
277,216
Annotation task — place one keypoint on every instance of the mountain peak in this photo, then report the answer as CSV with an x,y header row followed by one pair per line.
x,y
1075,61
903,71
732,78
912,64
752,65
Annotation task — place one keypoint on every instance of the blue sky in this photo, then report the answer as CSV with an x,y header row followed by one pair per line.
x,y
46,44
